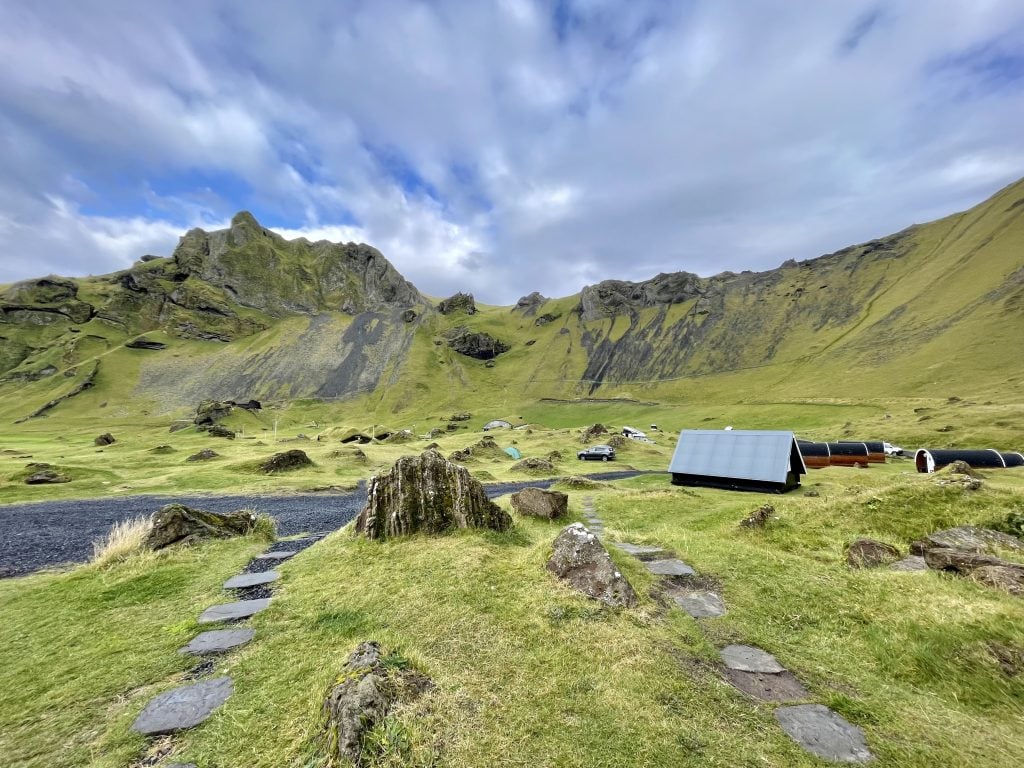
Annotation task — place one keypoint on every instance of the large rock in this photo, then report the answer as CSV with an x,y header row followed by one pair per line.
x,y
460,302
427,494
590,434
204,455
176,523
1007,578
286,462
479,345
535,502
529,304
105,439
366,690
580,559
47,477
210,412
973,539
868,553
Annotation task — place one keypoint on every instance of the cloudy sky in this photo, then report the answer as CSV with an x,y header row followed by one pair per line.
x,y
501,147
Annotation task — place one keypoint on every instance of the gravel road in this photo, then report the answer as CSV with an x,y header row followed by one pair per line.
x,y
48,533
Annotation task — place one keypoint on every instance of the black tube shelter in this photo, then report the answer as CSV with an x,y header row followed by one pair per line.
x,y
815,455
848,454
1013,459
876,451
931,459
737,460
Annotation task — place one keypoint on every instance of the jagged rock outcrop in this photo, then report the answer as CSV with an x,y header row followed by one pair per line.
x,y
615,297
176,523
581,560
210,412
476,344
460,302
427,494
260,269
529,304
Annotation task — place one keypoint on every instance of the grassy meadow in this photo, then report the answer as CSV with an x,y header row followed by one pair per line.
x,y
529,673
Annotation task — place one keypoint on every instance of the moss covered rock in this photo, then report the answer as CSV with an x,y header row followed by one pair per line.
x,y
176,523
286,462
427,494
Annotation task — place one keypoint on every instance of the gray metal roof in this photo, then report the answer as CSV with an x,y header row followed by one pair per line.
x,y
737,453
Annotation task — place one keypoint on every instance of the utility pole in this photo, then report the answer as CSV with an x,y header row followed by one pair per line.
x,y
275,429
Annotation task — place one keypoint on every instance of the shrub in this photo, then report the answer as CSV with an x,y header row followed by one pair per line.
x,y
125,538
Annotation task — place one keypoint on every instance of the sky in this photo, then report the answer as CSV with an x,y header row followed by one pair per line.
x,y
501,147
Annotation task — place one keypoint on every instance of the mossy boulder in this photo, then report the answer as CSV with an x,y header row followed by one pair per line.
x,y
105,439
427,494
204,455
47,477
211,412
460,302
176,523
286,461
479,345
533,465
536,502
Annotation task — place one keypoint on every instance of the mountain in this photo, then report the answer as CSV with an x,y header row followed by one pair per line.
x,y
243,313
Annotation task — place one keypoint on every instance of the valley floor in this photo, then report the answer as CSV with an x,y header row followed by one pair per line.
x,y
528,672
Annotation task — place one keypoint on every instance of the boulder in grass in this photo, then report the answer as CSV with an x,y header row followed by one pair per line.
x,y
590,434
219,430
533,464
368,686
176,523
427,494
535,502
211,412
286,462
581,560
47,477
973,539
1005,577
105,439
868,553
204,455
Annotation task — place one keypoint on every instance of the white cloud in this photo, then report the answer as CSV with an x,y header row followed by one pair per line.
x,y
494,147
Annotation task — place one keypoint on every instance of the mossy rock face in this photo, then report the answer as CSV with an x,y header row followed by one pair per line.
x,y
460,302
427,494
286,462
176,523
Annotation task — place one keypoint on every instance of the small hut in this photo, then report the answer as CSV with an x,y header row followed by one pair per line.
x,y
876,449
738,460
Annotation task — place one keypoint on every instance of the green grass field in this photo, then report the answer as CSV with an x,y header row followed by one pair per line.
x,y
529,673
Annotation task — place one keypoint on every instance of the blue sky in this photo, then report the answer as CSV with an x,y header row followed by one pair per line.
x,y
501,147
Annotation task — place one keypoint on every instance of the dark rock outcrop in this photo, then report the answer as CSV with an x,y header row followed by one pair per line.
x,y
204,455
580,559
529,304
211,412
476,344
286,462
460,302
47,477
614,297
592,433
143,343
105,439
219,430
176,523
427,494
535,502
868,553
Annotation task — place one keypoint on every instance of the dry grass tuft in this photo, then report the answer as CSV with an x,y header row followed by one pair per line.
x,y
124,539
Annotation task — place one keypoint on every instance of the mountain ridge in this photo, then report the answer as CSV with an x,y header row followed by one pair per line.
x,y
292,319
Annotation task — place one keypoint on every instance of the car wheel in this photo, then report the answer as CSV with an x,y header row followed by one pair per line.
x,y
604,458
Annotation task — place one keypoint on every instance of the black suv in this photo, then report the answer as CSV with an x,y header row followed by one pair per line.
x,y
602,452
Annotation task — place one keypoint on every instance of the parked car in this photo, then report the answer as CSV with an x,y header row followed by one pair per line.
x,y
597,452
892,450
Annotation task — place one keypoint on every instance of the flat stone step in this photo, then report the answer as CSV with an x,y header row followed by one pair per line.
x,y
824,733
671,567
284,554
182,708
782,687
747,658
218,641
638,550
910,563
244,580
241,609
701,604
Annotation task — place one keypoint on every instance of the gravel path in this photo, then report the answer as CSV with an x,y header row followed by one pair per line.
x,y
48,533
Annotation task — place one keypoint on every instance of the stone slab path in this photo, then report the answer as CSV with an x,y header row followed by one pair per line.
x,y
242,609
245,580
701,604
671,567
758,674
824,733
183,707
218,641
283,554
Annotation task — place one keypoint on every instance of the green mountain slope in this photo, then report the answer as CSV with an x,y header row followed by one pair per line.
x,y
934,310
